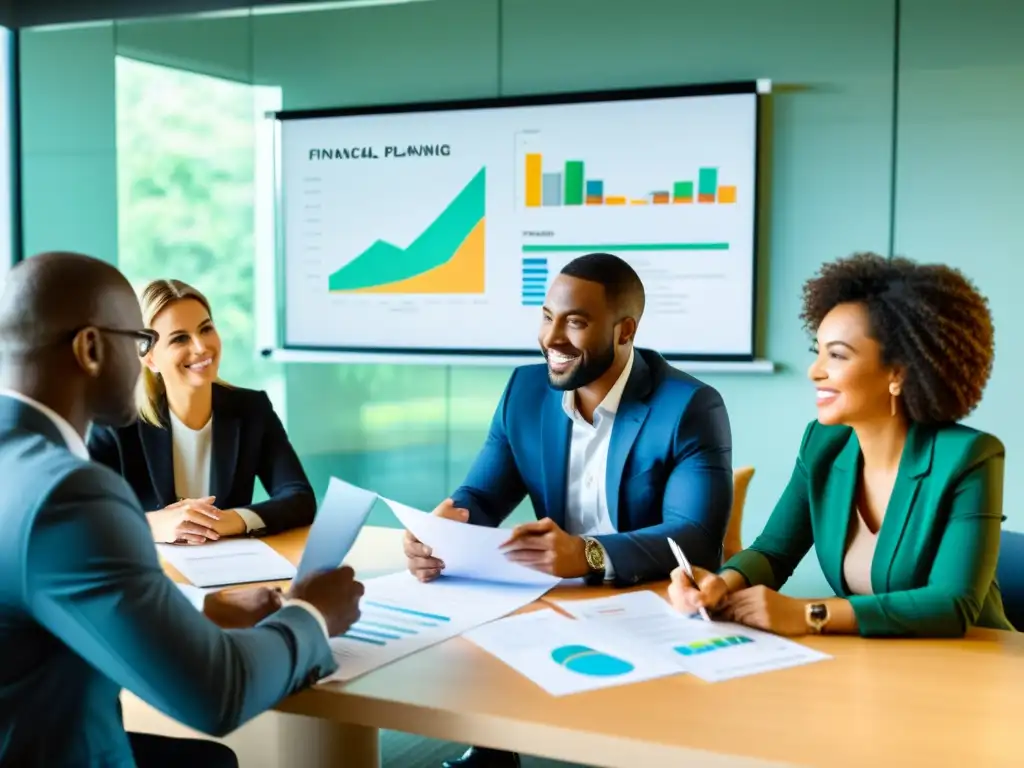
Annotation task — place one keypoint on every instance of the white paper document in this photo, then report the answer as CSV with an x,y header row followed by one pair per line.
x,y
195,595
564,656
710,650
336,527
229,561
470,551
401,615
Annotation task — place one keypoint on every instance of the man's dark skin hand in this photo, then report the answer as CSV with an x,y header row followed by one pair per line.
x,y
335,593
422,563
543,546
241,608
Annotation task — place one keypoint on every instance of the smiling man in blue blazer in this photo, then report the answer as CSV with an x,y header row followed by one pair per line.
x,y
617,450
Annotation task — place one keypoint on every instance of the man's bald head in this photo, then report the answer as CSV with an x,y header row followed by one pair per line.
x,y
67,323
57,293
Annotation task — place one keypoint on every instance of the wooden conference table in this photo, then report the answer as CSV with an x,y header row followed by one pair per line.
x,y
877,702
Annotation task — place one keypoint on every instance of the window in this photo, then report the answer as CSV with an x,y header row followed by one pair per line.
x,y
187,186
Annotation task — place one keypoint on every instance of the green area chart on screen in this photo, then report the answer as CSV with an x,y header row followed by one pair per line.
x,y
448,256
586,661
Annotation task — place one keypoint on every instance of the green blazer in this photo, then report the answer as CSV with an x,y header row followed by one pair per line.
x,y
933,572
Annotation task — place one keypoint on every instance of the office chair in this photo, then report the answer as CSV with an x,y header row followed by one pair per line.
x,y
1010,574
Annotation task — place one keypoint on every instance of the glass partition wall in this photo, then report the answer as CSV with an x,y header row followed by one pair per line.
x,y
171,176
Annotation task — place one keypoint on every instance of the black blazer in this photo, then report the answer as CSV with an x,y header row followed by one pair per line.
x,y
249,442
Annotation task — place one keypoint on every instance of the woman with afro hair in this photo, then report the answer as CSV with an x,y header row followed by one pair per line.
x,y
902,503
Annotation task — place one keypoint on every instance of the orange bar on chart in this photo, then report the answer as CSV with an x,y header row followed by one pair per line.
x,y
727,194
594,199
609,200
659,198
533,180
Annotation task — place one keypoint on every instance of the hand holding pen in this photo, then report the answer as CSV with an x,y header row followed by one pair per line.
x,y
694,590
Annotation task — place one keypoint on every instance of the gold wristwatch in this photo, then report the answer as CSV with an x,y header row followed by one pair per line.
x,y
594,554
817,616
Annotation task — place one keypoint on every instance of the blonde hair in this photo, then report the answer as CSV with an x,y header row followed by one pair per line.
x,y
155,298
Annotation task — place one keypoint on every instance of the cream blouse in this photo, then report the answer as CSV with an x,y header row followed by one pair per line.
x,y
860,551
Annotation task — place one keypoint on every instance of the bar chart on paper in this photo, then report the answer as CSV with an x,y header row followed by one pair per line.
x,y
382,623
400,615
712,644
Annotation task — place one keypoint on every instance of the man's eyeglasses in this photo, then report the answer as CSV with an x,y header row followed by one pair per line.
x,y
145,338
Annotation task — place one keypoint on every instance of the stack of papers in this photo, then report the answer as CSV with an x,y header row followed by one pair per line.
x,y
225,562
710,650
563,656
628,638
610,641
467,551
401,615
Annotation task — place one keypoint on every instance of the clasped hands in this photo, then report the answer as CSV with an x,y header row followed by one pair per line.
x,y
757,607
194,521
540,545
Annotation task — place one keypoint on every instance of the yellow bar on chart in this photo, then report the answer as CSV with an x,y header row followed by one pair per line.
x,y
533,180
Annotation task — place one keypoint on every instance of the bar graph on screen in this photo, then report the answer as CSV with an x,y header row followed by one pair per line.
x,y
444,231
550,180
535,280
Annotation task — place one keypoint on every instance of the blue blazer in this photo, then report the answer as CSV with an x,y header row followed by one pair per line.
x,y
669,466
85,610
249,442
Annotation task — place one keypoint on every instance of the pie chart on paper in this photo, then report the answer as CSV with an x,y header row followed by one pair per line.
x,y
586,661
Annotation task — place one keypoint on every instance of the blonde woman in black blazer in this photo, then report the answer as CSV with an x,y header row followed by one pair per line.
x,y
199,445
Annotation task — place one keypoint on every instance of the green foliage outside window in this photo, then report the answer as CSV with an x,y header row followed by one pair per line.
x,y
185,166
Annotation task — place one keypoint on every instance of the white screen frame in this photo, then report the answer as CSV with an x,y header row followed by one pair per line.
x,y
272,342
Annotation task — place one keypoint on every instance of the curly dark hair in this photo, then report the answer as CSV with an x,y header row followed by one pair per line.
x,y
929,319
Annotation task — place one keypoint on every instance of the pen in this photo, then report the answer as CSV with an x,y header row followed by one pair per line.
x,y
685,565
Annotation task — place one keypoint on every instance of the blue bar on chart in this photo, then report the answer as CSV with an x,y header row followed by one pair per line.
x,y
432,619
595,192
383,623
535,281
